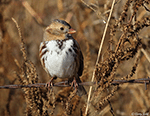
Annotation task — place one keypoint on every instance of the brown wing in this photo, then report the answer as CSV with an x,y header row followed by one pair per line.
x,y
79,58
80,65
41,53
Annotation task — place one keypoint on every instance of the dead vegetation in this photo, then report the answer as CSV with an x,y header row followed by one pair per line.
x,y
124,56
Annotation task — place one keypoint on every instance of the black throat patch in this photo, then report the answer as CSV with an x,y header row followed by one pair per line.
x,y
60,43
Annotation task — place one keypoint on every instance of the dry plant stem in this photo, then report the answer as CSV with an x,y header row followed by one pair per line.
x,y
120,41
22,42
88,6
33,13
146,54
99,52
17,27
96,11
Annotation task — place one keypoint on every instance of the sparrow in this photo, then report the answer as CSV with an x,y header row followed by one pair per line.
x,y
61,56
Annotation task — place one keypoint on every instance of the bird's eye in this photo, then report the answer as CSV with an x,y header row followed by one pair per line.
x,y
62,28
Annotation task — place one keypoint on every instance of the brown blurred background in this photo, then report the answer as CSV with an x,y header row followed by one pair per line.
x,y
130,98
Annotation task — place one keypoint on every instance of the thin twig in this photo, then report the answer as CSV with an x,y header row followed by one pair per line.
x,y
36,17
66,84
96,11
146,8
22,41
111,109
19,31
146,54
98,57
89,6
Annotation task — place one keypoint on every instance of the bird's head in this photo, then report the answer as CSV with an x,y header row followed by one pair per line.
x,y
58,29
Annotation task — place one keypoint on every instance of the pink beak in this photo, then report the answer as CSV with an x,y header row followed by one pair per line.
x,y
71,31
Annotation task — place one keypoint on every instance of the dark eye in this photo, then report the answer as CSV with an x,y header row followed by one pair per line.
x,y
62,28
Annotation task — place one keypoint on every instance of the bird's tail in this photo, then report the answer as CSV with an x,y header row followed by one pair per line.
x,y
80,90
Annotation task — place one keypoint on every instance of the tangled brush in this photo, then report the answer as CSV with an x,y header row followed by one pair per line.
x,y
124,48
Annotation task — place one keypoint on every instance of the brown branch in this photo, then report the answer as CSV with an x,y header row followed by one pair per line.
x,y
66,84
35,16
146,8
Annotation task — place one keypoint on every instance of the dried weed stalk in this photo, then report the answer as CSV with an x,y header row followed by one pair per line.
x,y
37,100
126,48
99,52
42,102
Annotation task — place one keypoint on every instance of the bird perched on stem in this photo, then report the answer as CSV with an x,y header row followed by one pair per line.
x,y
61,56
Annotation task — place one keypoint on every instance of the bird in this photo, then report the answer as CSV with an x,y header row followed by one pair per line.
x,y
61,56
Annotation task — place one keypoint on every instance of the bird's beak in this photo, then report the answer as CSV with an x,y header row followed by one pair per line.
x,y
71,31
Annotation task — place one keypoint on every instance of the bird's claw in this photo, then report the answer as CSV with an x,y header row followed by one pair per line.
x,y
49,84
74,84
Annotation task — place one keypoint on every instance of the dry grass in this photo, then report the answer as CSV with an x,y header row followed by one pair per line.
x,y
124,55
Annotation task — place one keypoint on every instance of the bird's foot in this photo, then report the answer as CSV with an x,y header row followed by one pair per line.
x,y
49,84
74,84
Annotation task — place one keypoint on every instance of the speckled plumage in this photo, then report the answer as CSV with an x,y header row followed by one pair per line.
x,y
60,53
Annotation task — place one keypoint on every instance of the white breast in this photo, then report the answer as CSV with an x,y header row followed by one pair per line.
x,y
58,61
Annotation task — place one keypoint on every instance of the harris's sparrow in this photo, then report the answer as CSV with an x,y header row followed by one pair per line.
x,y
60,54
